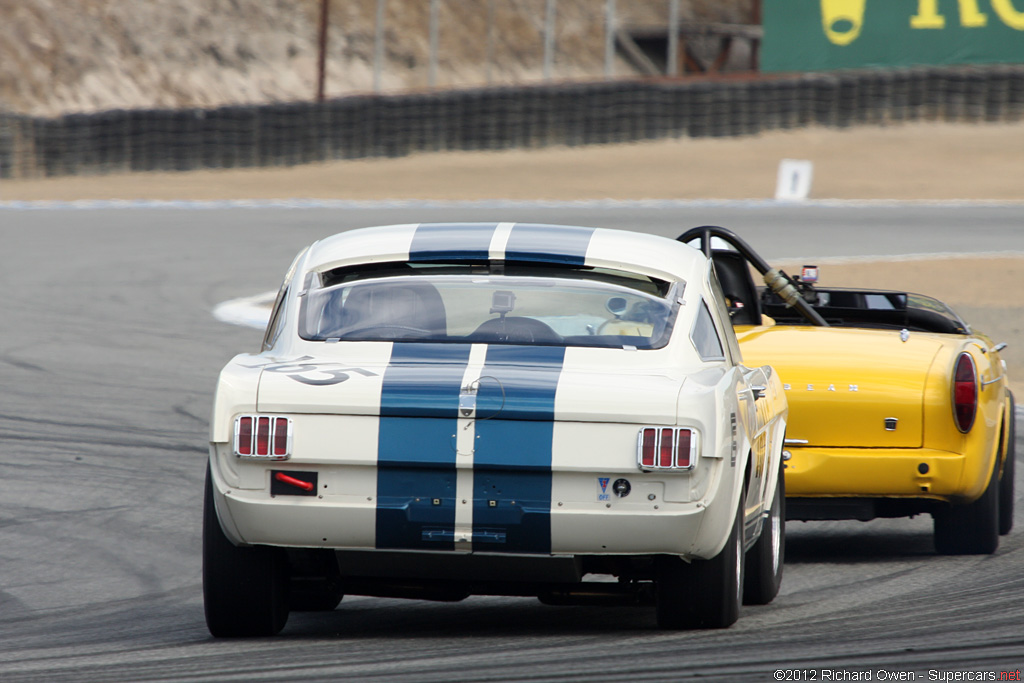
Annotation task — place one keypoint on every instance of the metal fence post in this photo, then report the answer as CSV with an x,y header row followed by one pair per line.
x,y
673,38
490,40
321,61
378,46
549,38
609,38
432,75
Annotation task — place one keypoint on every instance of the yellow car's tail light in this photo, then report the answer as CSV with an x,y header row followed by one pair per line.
x,y
666,448
965,392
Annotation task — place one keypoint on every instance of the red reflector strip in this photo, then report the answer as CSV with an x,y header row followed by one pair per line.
x,y
683,448
244,444
292,481
281,436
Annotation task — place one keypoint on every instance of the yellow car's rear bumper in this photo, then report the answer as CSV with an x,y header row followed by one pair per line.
x,y
879,473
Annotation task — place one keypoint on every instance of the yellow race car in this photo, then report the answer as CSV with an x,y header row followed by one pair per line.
x,y
897,407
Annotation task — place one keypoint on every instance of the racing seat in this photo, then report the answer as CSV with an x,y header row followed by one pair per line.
x,y
738,285
385,308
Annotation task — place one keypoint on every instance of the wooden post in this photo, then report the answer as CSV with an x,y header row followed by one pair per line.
x,y
755,44
549,38
672,67
321,62
433,30
609,38
490,41
378,46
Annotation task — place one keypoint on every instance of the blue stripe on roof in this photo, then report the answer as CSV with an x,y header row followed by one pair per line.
x,y
416,474
557,244
452,241
512,461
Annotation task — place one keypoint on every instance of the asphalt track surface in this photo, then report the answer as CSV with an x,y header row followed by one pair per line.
x,y
108,355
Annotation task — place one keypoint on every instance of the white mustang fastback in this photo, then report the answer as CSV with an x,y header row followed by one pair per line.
x,y
444,410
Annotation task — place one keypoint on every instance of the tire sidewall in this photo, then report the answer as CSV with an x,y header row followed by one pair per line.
x,y
244,588
766,559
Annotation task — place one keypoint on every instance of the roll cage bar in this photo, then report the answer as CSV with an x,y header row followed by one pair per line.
x,y
777,280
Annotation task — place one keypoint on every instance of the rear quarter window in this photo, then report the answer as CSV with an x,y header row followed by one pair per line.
x,y
276,323
705,337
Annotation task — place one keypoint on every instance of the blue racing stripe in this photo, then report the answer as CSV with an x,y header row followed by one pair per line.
x,y
556,244
452,242
512,460
416,473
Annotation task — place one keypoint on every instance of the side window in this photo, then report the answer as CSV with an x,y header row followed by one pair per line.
x,y
729,335
276,324
705,336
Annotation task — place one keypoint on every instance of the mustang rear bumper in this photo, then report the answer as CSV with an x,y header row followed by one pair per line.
x,y
634,526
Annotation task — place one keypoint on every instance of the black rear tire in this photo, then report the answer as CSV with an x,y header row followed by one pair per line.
x,y
764,560
703,593
1006,486
971,529
245,589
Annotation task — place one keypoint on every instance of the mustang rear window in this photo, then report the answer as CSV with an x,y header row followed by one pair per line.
x,y
521,305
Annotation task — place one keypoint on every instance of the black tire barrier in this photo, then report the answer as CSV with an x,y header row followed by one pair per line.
x,y
529,117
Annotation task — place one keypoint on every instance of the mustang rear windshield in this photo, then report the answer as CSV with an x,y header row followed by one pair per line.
x,y
546,305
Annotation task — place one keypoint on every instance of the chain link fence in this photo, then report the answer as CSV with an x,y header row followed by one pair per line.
x,y
459,43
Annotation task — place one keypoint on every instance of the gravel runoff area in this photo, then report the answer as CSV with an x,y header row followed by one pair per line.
x,y
925,161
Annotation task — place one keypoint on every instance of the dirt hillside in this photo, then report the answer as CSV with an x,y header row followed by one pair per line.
x,y
60,56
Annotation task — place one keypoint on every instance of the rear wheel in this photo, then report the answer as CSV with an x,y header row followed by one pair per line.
x,y
703,593
1006,483
971,529
765,559
244,589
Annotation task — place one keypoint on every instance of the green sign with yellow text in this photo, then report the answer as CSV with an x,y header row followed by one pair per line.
x,y
816,35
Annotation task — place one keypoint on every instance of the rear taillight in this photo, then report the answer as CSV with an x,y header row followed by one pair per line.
x,y
263,437
965,392
281,436
243,436
648,447
666,448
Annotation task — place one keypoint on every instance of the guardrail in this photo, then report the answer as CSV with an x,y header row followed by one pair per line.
x,y
498,118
